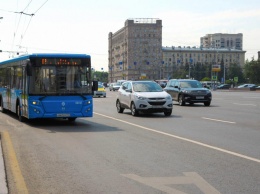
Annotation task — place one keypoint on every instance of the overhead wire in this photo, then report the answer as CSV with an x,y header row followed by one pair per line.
x,y
23,12
25,29
40,7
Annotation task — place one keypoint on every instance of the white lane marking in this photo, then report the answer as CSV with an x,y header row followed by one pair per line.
x,y
245,104
251,97
231,122
184,139
165,183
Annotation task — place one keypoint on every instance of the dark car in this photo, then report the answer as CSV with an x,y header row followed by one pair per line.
x,y
223,86
188,91
162,82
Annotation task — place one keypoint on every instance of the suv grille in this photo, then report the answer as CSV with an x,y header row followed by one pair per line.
x,y
198,92
156,102
156,98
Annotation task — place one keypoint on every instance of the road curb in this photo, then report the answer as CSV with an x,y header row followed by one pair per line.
x,y
12,165
3,183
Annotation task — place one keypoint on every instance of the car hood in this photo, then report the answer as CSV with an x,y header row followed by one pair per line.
x,y
161,94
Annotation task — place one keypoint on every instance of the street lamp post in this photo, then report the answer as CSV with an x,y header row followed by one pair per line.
x,y
189,70
1,19
191,60
224,76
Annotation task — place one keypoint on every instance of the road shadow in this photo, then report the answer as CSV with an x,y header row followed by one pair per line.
x,y
153,115
196,105
63,125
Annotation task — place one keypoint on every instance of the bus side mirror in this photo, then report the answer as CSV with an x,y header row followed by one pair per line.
x,y
29,68
94,85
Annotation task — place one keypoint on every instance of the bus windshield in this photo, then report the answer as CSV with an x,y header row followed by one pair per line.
x,y
58,80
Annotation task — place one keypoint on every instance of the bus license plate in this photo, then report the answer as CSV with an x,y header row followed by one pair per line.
x,y
63,115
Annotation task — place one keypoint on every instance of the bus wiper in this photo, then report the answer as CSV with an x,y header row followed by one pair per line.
x,y
41,98
84,98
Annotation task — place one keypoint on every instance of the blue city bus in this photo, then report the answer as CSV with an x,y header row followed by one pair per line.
x,y
47,85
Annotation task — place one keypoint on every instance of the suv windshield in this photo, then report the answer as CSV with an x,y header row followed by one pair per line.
x,y
190,84
146,87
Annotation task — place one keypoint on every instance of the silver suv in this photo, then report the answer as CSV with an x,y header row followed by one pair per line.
x,y
143,96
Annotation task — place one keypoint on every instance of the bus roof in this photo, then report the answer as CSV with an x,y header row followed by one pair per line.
x,y
47,55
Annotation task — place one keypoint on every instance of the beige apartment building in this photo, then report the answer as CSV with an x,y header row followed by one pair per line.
x,y
173,57
135,50
220,41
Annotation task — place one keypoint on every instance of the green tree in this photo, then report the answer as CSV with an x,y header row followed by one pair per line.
x,y
206,79
100,76
235,70
252,71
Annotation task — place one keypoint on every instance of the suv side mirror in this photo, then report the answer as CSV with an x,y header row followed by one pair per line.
x,y
129,90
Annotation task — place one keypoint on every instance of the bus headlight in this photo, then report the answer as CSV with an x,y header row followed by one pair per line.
x,y
88,102
35,102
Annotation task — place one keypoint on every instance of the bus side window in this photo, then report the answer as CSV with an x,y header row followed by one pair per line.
x,y
18,77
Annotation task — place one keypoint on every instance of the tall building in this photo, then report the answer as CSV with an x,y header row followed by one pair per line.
x,y
258,55
135,51
219,40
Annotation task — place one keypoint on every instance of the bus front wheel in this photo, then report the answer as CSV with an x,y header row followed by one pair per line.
x,y
72,119
19,114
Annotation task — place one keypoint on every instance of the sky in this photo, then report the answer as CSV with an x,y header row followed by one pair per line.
x,y
82,26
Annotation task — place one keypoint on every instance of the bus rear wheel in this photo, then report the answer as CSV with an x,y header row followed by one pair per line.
x,y
3,110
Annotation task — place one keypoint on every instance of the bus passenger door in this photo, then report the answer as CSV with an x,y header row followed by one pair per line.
x,y
24,95
8,88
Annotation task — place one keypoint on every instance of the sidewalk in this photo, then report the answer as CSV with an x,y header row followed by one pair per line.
x,y
3,184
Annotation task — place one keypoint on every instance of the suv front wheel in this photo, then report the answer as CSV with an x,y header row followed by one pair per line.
x,y
118,107
207,103
134,112
181,101
168,113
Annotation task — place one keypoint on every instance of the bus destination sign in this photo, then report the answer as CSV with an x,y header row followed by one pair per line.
x,y
60,61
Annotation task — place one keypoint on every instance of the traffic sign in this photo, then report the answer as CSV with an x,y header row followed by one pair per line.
x,y
214,78
216,68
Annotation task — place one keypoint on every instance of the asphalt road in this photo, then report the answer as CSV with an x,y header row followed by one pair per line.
x,y
197,150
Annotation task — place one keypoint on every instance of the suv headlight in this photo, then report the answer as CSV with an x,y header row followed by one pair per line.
x,y
140,97
168,97
208,91
187,91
